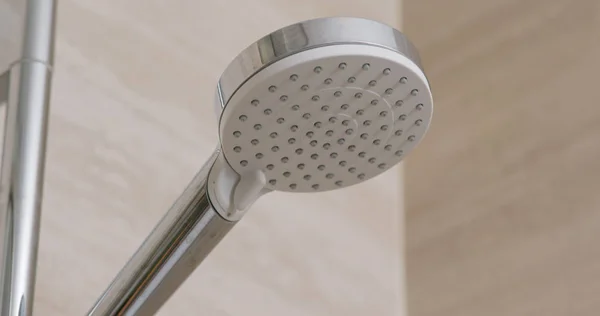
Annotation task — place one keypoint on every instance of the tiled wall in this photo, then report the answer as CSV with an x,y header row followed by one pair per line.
x,y
12,13
503,210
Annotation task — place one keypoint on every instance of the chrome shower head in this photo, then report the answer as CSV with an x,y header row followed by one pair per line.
x,y
321,105
315,106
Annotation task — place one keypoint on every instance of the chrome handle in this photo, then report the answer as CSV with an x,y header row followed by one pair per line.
x,y
177,245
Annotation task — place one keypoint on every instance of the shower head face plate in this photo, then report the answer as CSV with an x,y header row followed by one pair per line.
x,y
326,117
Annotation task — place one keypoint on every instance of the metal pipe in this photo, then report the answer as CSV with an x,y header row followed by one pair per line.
x,y
177,245
23,158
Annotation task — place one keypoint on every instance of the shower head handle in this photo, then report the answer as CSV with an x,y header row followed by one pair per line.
x,y
176,246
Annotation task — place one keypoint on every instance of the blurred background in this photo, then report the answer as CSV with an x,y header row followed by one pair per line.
x,y
503,201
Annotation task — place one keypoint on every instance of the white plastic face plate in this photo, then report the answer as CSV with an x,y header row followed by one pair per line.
x,y
327,118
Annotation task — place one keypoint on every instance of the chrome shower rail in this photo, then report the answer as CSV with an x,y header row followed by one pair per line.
x,y
25,88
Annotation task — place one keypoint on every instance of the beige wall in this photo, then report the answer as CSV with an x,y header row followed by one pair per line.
x,y
503,195
131,122
12,13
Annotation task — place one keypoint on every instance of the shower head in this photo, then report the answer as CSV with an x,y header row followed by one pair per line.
x,y
320,105
315,106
